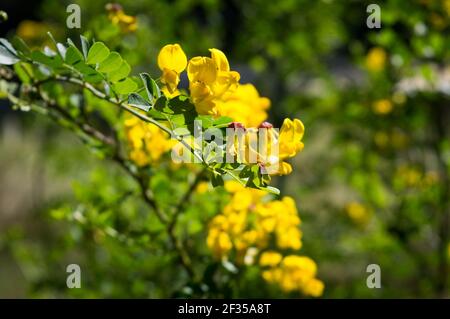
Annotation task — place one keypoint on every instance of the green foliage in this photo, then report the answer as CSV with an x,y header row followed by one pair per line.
x,y
312,59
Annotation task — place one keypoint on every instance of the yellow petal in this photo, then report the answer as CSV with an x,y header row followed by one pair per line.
x,y
172,57
202,69
220,60
291,134
171,79
285,168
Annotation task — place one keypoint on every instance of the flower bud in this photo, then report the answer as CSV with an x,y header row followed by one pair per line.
x,y
266,125
236,125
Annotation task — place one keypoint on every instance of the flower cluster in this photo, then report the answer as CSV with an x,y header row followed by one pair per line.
x,y
245,106
210,78
215,90
118,17
146,141
274,147
249,225
411,177
291,273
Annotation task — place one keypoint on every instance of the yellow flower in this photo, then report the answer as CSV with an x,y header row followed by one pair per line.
x,y
210,80
219,242
202,187
376,59
446,6
146,141
382,107
358,213
245,106
270,258
291,134
289,143
295,273
314,288
247,225
171,61
30,30
118,17
249,221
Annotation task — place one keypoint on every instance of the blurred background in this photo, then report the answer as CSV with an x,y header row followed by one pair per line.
x,y
372,184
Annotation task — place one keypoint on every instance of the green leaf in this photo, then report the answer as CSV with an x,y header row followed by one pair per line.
x,y
138,101
161,105
54,61
151,87
23,71
217,179
121,73
84,46
222,121
84,69
206,120
6,57
271,189
97,53
88,72
8,46
111,63
93,78
73,55
61,50
125,86
22,48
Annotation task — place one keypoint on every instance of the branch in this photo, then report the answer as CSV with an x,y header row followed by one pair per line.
x,y
122,105
146,194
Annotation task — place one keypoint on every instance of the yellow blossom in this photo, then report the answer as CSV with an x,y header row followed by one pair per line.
x,y
289,144
30,30
358,213
295,273
314,288
246,226
146,141
270,258
172,61
118,17
202,187
376,59
245,106
382,107
210,81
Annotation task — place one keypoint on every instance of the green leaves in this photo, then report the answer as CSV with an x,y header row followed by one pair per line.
x,y
53,61
73,55
8,55
84,46
97,64
111,63
97,53
138,101
153,94
151,87
93,64
125,86
120,73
